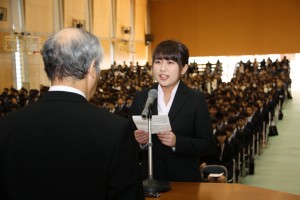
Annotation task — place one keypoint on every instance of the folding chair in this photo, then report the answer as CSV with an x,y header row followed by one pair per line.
x,y
213,169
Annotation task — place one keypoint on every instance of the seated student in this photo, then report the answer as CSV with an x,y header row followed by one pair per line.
x,y
219,117
232,121
263,116
222,155
280,91
235,144
243,133
252,118
225,118
128,102
244,136
213,110
214,125
121,109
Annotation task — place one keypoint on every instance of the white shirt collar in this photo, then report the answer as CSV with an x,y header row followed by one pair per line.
x,y
162,108
66,89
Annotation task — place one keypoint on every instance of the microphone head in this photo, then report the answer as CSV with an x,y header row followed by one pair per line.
x,y
152,93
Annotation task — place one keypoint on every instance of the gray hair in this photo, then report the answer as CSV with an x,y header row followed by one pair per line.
x,y
70,52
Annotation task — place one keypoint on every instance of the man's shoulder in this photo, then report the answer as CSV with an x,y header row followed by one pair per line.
x,y
104,114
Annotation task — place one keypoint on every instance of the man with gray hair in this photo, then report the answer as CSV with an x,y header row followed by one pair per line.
x,y
63,147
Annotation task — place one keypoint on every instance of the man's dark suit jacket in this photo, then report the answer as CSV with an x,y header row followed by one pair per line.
x,y
62,147
191,123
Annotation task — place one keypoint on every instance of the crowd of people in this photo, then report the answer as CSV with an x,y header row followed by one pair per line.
x,y
56,141
237,108
118,85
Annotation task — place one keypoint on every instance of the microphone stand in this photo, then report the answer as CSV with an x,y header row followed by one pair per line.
x,y
152,185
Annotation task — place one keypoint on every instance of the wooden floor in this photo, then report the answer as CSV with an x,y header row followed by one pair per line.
x,y
278,167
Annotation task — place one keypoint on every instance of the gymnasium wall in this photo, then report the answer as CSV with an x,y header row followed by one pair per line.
x,y
208,27
39,22
228,27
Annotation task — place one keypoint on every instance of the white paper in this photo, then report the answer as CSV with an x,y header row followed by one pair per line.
x,y
159,123
216,175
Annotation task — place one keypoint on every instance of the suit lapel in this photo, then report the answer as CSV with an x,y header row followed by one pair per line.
x,y
179,100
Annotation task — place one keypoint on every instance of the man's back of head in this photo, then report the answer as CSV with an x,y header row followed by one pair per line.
x,y
71,56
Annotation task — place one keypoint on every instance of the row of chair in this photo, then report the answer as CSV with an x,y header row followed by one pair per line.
x,y
244,163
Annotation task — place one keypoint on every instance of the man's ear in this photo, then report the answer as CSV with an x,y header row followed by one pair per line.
x,y
92,70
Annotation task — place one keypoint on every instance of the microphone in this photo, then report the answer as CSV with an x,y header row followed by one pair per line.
x,y
152,95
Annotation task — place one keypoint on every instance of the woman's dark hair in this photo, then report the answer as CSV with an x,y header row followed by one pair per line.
x,y
171,50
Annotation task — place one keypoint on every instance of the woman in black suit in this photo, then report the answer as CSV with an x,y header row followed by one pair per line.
x,y
176,152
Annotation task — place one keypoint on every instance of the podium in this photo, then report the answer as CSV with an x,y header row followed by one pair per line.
x,y
224,191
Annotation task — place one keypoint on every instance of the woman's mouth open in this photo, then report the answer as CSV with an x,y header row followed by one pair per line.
x,y
163,77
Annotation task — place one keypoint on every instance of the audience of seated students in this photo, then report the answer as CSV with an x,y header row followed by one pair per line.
x,y
123,81
241,107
